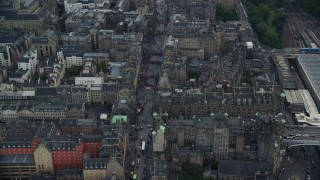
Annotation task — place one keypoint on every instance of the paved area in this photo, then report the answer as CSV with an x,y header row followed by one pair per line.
x,y
295,170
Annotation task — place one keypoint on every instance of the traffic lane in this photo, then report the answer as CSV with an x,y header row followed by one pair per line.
x,y
315,162
145,118
294,170
144,134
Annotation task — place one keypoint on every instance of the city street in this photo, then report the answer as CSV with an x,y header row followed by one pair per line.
x,y
295,168
301,164
138,161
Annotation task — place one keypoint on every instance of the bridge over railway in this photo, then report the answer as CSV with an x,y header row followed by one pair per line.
x,y
295,135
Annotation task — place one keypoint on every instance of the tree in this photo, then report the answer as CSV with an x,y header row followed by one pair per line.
x,y
74,70
191,171
255,20
224,14
102,67
316,12
264,11
194,74
267,20
311,6
261,28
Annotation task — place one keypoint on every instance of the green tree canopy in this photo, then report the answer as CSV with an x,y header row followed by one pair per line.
x,y
311,6
224,14
191,172
194,74
74,70
102,67
267,20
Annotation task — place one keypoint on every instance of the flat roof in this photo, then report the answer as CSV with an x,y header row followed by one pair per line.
x,y
17,93
158,141
294,96
302,96
309,104
104,116
310,65
313,119
17,159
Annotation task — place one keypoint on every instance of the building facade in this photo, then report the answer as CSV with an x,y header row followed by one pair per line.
x,y
43,160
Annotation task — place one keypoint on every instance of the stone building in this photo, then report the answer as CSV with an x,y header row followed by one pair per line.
x,y
46,43
54,109
83,40
43,160
79,94
216,136
207,133
10,19
238,101
94,168
123,106
194,35
202,9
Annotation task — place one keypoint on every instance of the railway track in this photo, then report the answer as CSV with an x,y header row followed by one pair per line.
x,y
302,28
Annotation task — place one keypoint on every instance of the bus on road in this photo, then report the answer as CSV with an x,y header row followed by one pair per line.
x,y
143,146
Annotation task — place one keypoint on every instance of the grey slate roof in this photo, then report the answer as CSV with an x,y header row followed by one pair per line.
x,y
69,53
13,15
23,60
109,87
17,159
61,48
42,177
46,91
14,137
69,172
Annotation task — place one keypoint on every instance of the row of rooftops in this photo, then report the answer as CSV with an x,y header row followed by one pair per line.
x,y
17,159
244,96
28,159
43,106
215,120
13,15
14,138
